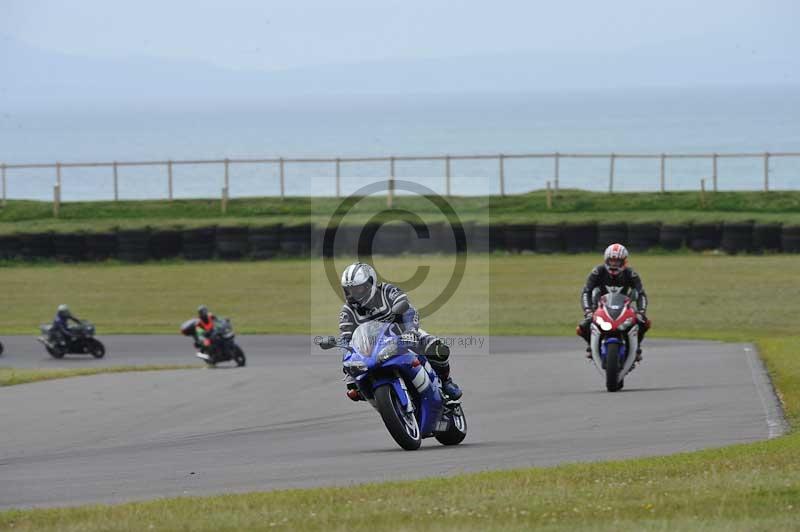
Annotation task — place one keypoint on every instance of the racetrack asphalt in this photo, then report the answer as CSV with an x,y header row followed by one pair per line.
x,y
283,421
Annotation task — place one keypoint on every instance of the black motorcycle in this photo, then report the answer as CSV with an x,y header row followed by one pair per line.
x,y
222,346
81,341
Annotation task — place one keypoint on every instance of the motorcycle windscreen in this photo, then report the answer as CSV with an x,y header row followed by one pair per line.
x,y
366,336
615,305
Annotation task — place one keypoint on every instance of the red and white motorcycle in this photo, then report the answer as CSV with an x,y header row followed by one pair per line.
x,y
614,338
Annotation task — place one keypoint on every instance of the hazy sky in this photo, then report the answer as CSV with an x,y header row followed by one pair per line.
x,y
298,33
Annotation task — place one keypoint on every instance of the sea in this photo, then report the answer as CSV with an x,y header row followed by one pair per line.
x,y
724,120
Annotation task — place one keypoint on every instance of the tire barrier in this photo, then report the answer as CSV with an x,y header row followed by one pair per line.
x,y
520,237
133,245
766,237
296,240
166,244
703,237
36,246
790,239
643,236
479,241
497,237
101,246
10,247
608,234
199,244
264,242
673,236
70,247
737,237
580,238
233,242
549,238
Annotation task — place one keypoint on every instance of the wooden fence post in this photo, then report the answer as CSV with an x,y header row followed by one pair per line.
x,y
549,196
447,176
169,179
662,173
283,178
501,158
611,174
3,169
766,172
714,171
390,192
557,171
338,178
116,182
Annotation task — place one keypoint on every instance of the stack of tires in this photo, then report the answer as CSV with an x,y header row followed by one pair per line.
x,y
199,243
233,243
36,246
166,243
69,247
101,246
264,242
133,245
10,247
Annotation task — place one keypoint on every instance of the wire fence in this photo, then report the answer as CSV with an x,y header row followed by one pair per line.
x,y
341,167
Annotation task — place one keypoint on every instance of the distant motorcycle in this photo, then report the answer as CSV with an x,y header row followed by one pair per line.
x,y
615,338
222,347
80,342
401,386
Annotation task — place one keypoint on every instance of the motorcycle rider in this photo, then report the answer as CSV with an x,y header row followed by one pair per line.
x,y
614,272
366,299
203,329
60,331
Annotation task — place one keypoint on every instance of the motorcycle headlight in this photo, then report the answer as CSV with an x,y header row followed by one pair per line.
x,y
603,324
626,324
387,352
355,367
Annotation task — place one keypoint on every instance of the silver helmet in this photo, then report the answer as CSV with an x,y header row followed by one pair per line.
x,y
359,283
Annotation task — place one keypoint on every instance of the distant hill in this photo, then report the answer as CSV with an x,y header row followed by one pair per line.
x,y
31,77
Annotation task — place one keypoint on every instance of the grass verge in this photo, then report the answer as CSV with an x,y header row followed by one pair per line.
x,y
741,487
14,376
568,206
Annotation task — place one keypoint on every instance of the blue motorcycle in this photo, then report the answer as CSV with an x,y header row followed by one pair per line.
x,y
401,386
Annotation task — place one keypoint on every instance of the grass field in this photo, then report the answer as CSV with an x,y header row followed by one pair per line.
x,y
11,377
693,295
743,487
568,205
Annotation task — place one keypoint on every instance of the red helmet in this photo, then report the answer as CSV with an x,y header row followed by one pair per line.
x,y
616,259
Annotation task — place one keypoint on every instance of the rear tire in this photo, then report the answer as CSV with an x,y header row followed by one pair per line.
x,y
612,367
2,348
238,356
401,425
457,430
55,352
97,349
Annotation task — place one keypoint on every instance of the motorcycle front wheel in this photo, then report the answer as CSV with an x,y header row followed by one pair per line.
x,y
96,348
613,367
401,425
238,356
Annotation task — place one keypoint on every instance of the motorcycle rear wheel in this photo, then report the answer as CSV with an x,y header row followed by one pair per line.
x,y
401,425
97,349
457,430
55,352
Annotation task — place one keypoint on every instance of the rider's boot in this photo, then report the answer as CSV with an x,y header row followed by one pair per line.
x,y
588,352
638,354
438,354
